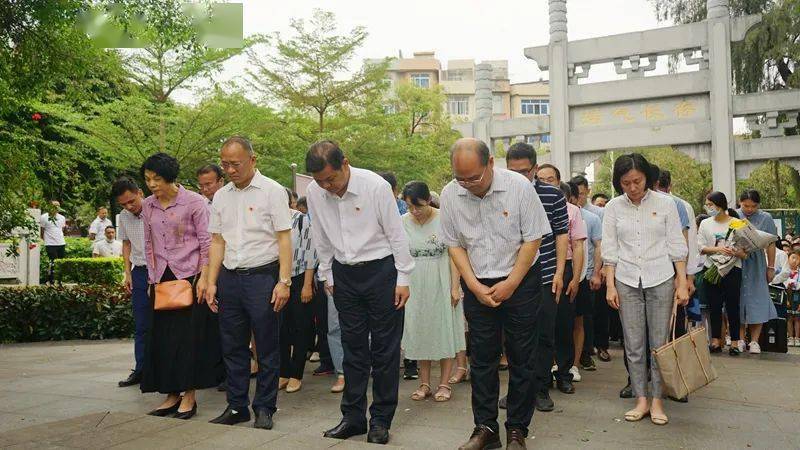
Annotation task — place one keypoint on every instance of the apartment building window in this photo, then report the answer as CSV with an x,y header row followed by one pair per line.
x,y
536,107
546,138
543,138
458,105
497,104
422,80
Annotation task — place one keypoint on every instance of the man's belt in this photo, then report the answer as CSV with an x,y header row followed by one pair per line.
x,y
266,268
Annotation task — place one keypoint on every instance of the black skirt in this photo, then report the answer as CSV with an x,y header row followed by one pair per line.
x,y
182,350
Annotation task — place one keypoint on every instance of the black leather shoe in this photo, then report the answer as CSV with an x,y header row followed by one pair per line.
x,y
232,416
603,355
503,403
515,439
626,392
410,370
345,430
263,420
187,414
222,387
378,435
679,400
163,412
133,379
543,401
323,370
565,386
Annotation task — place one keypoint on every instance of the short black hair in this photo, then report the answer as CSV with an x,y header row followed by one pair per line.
x,y
208,168
289,196
483,152
109,226
123,185
700,217
163,165
240,141
569,189
555,169
302,202
416,192
750,194
664,178
633,161
324,153
521,150
580,180
390,178
599,195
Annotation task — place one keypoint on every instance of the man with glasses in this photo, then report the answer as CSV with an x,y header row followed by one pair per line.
x,y
365,260
493,223
210,179
250,264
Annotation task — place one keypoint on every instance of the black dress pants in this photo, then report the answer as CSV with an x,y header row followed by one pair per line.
x,y
297,331
516,319
372,328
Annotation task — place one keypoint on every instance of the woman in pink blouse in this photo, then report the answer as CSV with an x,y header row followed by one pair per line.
x,y
182,351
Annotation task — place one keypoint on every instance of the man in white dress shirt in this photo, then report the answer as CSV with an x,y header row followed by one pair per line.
x,y
365,260
250,264
99,224
493,223
109,247
53,223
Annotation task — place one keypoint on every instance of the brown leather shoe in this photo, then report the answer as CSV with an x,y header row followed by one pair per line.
x,y
515,439
482,438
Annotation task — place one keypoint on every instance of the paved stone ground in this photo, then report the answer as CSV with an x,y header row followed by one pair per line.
x,y
64,395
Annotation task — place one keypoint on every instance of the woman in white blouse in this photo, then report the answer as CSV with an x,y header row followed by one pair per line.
x,y
644,252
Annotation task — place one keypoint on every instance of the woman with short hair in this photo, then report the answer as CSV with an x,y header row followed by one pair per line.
x,y
644,255
182,350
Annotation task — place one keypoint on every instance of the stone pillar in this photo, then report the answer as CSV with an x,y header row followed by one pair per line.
x,y
719,66
483,103
559,80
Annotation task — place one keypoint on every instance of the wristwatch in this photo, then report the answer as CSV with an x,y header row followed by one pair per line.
x,y
286,281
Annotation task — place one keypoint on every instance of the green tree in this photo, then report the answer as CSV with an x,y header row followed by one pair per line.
x,y
777,183
174,56
766,59
309,71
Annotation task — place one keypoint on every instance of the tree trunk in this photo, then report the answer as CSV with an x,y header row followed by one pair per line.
x,y
321,121
162,132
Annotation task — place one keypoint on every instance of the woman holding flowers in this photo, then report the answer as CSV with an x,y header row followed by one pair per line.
x,y
711,240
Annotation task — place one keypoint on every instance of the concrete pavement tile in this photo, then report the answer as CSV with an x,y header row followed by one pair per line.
x,y
237,437
301,442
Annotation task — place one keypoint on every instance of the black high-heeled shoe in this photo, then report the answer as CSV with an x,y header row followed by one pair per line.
x,y
715,349
187,414
163,412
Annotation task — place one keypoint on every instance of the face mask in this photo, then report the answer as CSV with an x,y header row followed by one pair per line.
x,y
712,211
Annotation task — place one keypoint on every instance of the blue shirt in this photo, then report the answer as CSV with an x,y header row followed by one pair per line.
x,y
682,214
401,206
594,229
555,205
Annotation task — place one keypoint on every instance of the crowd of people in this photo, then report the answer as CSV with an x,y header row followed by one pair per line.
x,y
517,268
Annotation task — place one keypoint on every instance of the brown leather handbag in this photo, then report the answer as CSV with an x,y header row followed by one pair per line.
x,y
171,295
176,294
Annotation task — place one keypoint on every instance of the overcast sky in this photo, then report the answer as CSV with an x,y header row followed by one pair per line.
x,y
465,29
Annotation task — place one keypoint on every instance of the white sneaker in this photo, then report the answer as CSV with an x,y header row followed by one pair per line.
x,y
795,342
755,348
741,346
576,374
727,341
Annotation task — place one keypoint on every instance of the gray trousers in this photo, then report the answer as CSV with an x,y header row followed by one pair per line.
x,y
645,315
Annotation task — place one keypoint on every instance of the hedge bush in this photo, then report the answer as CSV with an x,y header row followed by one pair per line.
x,y
90,270
76,248
44,313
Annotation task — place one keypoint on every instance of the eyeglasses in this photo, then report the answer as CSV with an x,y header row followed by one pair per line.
x,y
234,165
523,172
465,183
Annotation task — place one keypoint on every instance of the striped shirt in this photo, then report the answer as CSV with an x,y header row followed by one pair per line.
x,y
131,228
555,205
643,241
493,228
304,256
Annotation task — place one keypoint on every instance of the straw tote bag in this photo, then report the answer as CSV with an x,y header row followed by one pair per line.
x,y
685,363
